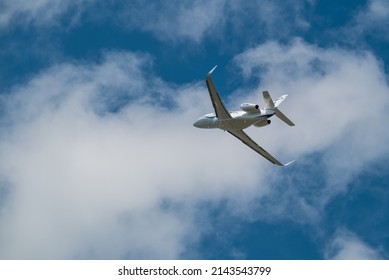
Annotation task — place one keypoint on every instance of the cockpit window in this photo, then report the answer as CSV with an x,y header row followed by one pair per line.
x,y
210,115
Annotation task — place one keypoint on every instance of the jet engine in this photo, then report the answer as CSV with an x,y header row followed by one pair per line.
x,y
262,123
249,107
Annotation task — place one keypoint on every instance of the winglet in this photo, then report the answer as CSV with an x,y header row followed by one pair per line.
x,y
290,162
210,72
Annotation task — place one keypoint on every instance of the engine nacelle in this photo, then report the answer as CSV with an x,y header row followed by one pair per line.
x,y
249,107
262,123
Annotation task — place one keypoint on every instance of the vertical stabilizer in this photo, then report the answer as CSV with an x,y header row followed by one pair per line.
x,y
269,104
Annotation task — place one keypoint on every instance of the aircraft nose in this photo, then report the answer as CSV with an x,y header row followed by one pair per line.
x,y
199,123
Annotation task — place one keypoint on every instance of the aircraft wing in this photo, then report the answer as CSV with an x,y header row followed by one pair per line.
x,y
241,135
220,110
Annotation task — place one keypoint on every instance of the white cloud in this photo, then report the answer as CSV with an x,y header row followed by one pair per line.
x,y
166,20
376,10
199,19
338,100
37,12
379,9
372,20
87,183
102,161
173,21
348,246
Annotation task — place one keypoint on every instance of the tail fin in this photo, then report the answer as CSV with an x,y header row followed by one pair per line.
x,y
269,104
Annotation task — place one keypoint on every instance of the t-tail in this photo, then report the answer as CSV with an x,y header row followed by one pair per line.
x,y
269,104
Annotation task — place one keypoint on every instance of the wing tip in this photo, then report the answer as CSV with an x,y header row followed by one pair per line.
x,y
283,165
290,162
210,72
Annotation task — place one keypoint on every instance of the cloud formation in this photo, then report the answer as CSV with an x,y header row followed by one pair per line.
x,y
375,14
175,21
347,246
330,91
40,12
196,20
100,160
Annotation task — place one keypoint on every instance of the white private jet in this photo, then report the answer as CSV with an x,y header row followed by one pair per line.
x,y
235,122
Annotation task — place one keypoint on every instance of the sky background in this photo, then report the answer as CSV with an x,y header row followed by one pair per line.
x,y
99,158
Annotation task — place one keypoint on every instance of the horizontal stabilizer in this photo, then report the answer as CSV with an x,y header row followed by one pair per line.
x,y
283,117
279,100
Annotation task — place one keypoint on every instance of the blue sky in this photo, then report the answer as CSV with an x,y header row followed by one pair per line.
x,y
99,158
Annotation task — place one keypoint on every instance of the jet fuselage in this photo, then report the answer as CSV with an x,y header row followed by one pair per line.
x,y
239,120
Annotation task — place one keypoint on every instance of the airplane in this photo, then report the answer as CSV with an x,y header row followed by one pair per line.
x,y
235,122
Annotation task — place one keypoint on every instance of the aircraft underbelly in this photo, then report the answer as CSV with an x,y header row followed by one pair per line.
x,y
234,124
